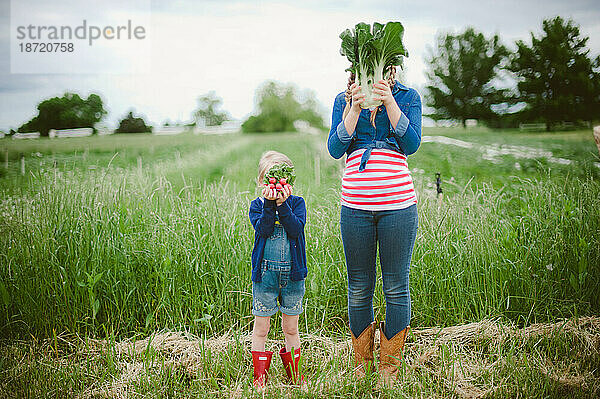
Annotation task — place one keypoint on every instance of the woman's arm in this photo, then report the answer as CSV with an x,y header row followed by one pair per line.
x,y
407,128
337,142
343,123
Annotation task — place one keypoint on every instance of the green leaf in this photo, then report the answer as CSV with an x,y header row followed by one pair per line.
x,y
97,278
372,52
389,43
281,171
377,28
347,48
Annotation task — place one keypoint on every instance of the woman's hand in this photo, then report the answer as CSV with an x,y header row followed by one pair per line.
x,y
358,97
383,92
270,194
351,113
284,194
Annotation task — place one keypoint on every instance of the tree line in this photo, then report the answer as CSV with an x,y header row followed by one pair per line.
x,y
550,79
278,107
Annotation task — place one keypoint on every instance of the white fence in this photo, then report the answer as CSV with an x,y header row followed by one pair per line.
x,y
66,133
226,127
31,135
471,123
532,126
168,130
104,131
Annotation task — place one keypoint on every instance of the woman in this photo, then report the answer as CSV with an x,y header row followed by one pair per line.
x,y
378,209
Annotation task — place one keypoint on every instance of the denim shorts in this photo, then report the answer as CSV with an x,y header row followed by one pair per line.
x,y
276,291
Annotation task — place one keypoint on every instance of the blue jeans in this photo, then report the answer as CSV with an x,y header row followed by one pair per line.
x,y
395,232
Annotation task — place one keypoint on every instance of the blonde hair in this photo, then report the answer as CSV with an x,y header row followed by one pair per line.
x,y
268,160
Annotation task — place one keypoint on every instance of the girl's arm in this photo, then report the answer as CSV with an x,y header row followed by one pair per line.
x,y
293,219
262,216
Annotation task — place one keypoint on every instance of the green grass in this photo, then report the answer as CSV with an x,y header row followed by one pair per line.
x,y
167,245
137,233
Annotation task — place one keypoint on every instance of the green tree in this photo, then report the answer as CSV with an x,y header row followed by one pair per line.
x,y
66,112
133,124
461,76
279,106
208,110
556,77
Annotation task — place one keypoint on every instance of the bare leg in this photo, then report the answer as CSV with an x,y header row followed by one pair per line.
x,y
260,332
289,324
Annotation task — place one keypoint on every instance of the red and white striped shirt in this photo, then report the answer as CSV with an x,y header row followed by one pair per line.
x,y
384,184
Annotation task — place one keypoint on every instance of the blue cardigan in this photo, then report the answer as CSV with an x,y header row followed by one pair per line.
x,y
292,216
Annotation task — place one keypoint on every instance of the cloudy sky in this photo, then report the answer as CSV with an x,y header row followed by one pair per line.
x,y
231,47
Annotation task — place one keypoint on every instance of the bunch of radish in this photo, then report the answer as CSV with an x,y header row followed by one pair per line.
x,y
279,176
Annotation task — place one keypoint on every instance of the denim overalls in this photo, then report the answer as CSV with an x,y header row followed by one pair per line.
x,y
276,284
277,248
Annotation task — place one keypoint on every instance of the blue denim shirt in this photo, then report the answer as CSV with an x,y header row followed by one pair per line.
x,y
405,137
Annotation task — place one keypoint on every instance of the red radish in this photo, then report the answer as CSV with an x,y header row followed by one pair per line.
x,y
271,186
272,180
283,181
278,186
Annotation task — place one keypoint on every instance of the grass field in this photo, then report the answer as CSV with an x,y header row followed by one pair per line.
x,y
123,236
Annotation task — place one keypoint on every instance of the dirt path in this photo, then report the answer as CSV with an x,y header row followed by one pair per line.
x,y
492,152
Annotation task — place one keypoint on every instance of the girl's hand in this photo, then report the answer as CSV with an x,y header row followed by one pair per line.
x,y
270,194
383,92
358,97
284,194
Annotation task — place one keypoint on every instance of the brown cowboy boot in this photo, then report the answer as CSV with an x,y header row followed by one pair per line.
x,y
390,358
363,350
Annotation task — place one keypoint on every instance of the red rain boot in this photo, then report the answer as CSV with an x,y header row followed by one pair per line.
x,y
291,366
261,362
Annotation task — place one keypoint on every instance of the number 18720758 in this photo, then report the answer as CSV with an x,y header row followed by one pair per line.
x,y
35,47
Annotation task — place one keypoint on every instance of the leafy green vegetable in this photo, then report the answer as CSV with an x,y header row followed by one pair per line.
x,y
372,52
281,171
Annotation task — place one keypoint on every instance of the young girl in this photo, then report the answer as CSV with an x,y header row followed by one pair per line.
x,y
278,270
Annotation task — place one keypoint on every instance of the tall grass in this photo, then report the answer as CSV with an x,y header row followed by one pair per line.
x,y
136,250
